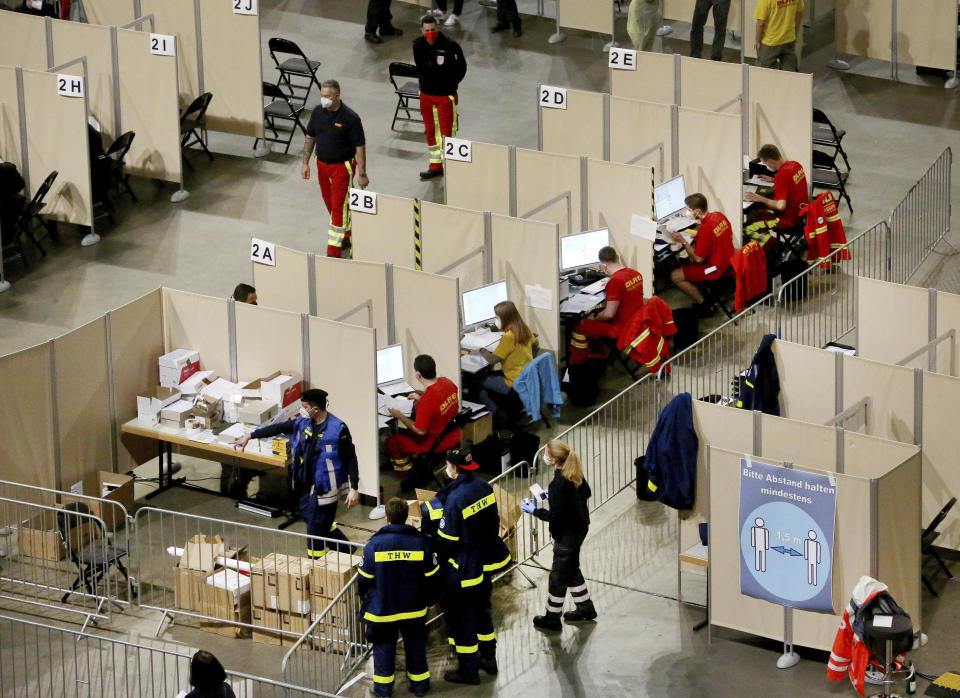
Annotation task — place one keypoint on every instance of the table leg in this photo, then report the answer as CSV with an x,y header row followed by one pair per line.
x,y
165,449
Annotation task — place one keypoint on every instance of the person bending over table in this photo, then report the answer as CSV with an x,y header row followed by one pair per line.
x,y
790,191
514,352
324,465
709,258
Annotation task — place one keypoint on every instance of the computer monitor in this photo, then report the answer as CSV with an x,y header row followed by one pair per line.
x,y
668,197
390,364
478,304
581,250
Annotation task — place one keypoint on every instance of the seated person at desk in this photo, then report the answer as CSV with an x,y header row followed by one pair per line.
x,y
514,352
710,257
324,464
435,409
790,191
245,293
624,298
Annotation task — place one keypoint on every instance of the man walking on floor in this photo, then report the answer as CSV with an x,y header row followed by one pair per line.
x,y
442,67
335,133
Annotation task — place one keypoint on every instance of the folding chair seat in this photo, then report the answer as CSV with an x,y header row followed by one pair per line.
x,y
23,226
292,62
827,175
280,108
93,562
193,126
927,537
116,153
826,134
718,293
408,93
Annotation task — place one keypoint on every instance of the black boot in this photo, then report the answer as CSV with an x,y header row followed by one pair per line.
x,y
454,676
585,612
548,621
489,665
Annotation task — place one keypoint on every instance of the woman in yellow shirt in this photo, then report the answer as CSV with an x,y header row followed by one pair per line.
x,y
514,351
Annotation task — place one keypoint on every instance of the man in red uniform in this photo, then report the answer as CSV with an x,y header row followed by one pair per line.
x,y
336,134
624,298
790,190
442,66
709,258
434,410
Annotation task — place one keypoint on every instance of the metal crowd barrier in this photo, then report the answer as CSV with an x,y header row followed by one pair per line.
x,y
40,660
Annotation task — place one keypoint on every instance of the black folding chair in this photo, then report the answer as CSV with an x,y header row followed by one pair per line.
x,y
826,134
427,466
718,293
115,154
826,175
280,108
407,93
193,126
930,534
23,226
93,562
292,62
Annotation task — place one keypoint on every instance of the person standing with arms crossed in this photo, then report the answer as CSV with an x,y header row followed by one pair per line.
x,y
569,522
335,133
442,67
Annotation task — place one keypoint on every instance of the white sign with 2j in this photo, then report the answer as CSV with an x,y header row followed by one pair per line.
x,y
363,201
69,85
458,149
553,97
622,59
162,45
263,252
244,7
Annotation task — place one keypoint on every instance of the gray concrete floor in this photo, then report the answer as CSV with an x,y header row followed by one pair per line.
x,y
643,644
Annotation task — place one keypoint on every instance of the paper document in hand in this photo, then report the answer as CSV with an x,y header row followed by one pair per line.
x,y
400,388
472,406
579,303
471,363
385,403
643,227
481,339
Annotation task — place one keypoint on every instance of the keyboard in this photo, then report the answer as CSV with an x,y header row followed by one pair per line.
x,y
675,225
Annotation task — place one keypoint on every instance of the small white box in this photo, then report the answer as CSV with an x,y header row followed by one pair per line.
x,y
231,433
177,366
153,401
195,384
176,413
257,412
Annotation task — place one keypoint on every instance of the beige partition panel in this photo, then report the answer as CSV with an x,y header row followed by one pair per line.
x,y
83,402
927,33
72,40
23,41
285,286
543,176
711,162
70,199
352,388
576,130
641,128
710,85
107,12
343,284
149,106
177,17
941,477
899,560
585,15
9,118
614,193
876,300
268,340
682,10
231,69
448,234
436,332
948,318
790,440
863,27
527,253
872,456
192,321
781,105
891,415
387,235
482,184
136,341
817,9
26,447
807,382
653,80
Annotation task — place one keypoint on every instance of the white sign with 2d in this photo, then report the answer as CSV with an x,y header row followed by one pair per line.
x,y
553,97
70,85
244,7
363,201
163,45
622,59
458,149
263,252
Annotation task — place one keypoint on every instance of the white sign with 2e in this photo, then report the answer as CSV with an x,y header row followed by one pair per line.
x,y
622,59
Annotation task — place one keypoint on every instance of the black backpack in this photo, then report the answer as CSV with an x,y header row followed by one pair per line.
x,y
643,490
688,328
583,388
880,605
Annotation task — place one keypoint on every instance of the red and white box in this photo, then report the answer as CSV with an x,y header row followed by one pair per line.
x,y
177,366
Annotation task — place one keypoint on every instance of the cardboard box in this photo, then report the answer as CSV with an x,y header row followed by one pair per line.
x,y
293,625
477,430
40,536
331,572
282,387
113,487
196,564
282,583
207,409
175,414
225,594
257,412
508,507
266,626
152,401
177,366
195,384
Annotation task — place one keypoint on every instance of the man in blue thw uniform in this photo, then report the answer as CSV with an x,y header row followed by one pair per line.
x,y
397,580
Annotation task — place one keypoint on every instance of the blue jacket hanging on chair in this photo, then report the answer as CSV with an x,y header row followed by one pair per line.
x,y
671,458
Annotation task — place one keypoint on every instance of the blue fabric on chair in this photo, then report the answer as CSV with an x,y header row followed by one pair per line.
x,y
538,384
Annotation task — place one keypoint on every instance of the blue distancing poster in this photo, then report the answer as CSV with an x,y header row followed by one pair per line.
x,y
786,535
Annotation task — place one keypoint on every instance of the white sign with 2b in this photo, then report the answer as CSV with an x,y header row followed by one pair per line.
x,y
363,201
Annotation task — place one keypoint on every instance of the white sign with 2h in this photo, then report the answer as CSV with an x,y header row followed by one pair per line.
x,y
69,85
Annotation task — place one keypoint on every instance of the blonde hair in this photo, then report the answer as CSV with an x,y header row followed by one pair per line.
x,y
567,460
510,318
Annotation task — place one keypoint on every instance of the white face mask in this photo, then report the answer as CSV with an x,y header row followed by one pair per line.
x,y
304,413
326,102
452,472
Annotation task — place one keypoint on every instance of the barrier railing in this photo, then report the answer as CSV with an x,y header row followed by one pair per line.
x,y
40,660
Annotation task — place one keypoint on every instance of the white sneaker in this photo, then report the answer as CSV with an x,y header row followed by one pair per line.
x,y
438,13
664,30
452,21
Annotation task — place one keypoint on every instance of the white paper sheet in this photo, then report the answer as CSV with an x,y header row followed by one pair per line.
x,y
643,227
538,297
400,388
579,303
385,403
471,363
479,339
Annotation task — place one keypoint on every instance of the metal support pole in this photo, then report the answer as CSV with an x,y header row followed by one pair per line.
x,y
746,109
199,34
918,406
22,116
894,50
305,346
558,35
539,119
932,329
512,179
606,126
789,658
54,414
312,282
677,90
232,337
757,433
584,195
487,247
48,30
675,139
115,58
391,305
840,455
112,395
838,383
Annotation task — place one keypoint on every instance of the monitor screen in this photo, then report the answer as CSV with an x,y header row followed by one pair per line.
x,y
668,197
581,250
478,304
390,364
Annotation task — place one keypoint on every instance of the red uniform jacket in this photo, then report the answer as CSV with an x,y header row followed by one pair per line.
x,y
750,268
644,336
824,231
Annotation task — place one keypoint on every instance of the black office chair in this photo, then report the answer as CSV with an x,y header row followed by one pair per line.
x,y
280,108
719,293
407,93
23,226
827,175
116,154
295,65
930,534
93,562
428,465
193,126
825,133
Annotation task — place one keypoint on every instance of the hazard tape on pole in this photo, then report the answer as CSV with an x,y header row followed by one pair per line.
x,y
416,234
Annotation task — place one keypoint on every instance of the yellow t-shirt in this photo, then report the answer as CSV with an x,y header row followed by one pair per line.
x,y
513,357
781,18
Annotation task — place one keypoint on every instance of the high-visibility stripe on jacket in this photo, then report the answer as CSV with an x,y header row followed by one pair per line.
x,y
824,231
644,336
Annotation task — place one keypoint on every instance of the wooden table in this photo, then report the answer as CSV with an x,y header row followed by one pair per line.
x,y
697,555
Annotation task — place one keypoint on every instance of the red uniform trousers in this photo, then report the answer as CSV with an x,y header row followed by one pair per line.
x,y
586,330
439,120
335,183
405,444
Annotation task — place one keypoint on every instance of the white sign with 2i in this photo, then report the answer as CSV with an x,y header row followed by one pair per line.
x,y
69,85
458,149
263,252
622,59
363,201
163,45
244,7
553,97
